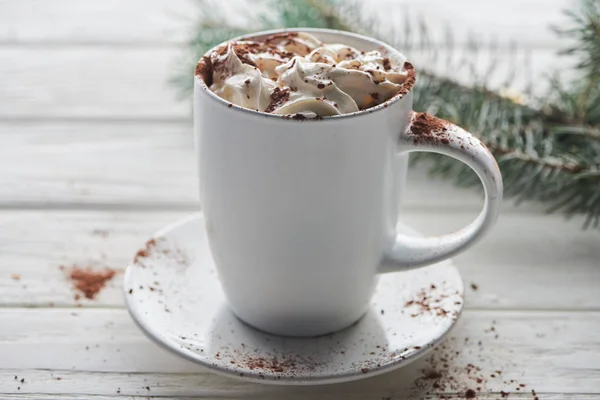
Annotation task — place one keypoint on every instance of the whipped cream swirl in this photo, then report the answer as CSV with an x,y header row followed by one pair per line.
x,y
294,73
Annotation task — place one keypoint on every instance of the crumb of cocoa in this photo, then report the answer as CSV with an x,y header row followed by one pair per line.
x,y
22,380
474,287
229,105
503,394
375,95
278,97
382,312
409,82
145,252
426,128
15,277
299,117
432,374
247,82
100,232
268,364
147,387
364,370
321,86
387,64
204,70
470,394
130,291
89,282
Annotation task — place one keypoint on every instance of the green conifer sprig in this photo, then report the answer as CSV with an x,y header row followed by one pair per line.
x,y
549,152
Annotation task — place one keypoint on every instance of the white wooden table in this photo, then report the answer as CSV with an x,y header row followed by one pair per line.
x,y
96,155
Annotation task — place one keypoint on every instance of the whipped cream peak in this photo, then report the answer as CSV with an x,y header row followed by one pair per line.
x,y
294,73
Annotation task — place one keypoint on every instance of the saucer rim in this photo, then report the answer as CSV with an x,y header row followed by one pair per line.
x,y
257,377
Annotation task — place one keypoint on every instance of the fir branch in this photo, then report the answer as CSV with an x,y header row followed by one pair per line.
x,y
550,154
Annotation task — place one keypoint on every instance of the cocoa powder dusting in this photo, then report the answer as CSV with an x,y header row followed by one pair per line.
x,y
278,97
272,365
213,65
426,128
158,247
90,282
204,70
409,82
299,117
143,253
446,376
430,301
387,64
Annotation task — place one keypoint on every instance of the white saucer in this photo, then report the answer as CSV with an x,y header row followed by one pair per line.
x,y
173,293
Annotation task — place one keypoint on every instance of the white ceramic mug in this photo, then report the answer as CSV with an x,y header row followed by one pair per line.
x,y
301,215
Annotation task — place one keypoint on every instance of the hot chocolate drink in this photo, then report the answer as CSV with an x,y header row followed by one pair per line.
x,y
293,73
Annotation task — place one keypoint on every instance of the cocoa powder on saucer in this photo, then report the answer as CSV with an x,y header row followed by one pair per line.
x,y
158,246
145,252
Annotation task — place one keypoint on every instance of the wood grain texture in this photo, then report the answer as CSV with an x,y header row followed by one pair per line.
x,y
480,396
75,83
133,165
523,264
97,155
105,346
156,23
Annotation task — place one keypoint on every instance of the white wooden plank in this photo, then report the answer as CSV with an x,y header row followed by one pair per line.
x,y
115,163
95,82
94,22
526,22
101,352
132,83
133,165
529,260
291,396
523,264
154,22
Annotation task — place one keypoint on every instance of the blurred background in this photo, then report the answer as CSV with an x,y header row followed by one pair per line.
x,y
97,154
494,67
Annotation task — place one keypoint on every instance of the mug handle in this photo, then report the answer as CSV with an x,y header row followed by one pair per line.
x,y
428,133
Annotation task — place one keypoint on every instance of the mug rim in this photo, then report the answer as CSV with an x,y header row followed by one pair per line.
x,y
397,97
